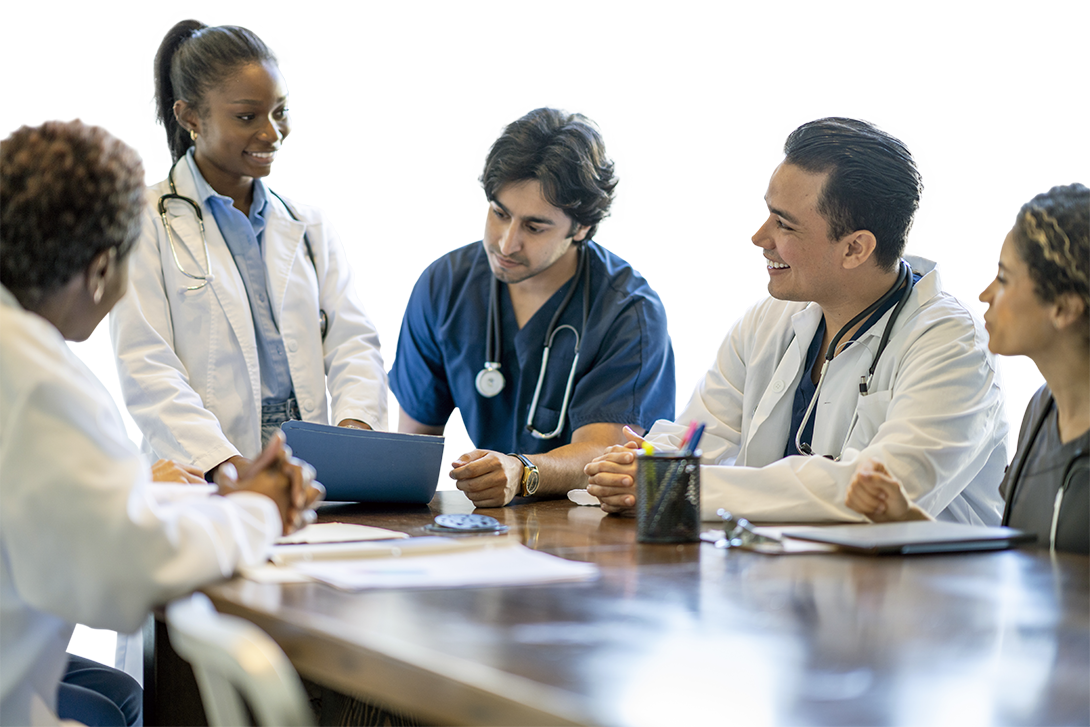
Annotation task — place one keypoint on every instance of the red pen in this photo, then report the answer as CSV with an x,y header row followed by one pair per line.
x,y
688,435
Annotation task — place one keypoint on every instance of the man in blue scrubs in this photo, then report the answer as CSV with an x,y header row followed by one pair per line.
x,y
477,322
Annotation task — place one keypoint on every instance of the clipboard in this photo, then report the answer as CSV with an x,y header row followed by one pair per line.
x,y
360,465
918,536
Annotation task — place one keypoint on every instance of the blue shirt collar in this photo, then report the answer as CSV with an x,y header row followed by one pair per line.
x,y
205,191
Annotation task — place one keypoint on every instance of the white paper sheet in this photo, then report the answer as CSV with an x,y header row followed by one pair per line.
x,y
281,569
425,545
339,533
513,565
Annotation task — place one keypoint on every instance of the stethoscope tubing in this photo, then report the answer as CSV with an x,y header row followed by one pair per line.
x,y
567,388
493,342
1016,478
904,274
323,318
204,279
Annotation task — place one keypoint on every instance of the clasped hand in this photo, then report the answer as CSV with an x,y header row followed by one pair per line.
x,y
878,494
612,476
287,481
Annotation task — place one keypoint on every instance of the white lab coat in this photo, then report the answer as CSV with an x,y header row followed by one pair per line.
x,y
934,414
83,537
188,360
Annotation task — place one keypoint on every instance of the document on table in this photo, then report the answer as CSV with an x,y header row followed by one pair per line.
x,y
507,565
338,533
394,548
323,540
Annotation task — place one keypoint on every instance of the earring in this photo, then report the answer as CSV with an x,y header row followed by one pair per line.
x,y
192,134
100,290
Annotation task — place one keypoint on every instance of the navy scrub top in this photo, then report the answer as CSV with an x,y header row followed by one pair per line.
x,y
625,373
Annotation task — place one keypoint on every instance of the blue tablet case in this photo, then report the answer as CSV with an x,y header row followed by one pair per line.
x,y
359,465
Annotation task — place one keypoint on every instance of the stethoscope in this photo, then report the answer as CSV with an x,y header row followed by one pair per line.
x,y
1064,483
490,380
904,278
323,319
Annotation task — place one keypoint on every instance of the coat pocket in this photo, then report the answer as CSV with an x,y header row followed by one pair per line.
x,y
871,412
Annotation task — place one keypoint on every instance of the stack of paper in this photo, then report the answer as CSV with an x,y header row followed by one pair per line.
x,y
507,565
338,533
398,561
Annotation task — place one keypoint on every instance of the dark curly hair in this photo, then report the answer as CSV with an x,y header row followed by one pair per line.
x,y
873,182
562,151
1052,234
192,58
68,192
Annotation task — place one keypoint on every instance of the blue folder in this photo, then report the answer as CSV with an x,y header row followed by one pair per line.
x,y
359,465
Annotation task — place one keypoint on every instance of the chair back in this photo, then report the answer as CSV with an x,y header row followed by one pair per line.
x,y
233,659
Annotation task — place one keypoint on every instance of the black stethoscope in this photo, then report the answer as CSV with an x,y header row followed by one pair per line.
x,y
904,278
490,380
323,319
1064,483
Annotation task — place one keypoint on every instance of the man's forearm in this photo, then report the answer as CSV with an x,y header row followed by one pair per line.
x,y
561,469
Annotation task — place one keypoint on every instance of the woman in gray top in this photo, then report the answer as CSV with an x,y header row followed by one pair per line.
x,y
1038,306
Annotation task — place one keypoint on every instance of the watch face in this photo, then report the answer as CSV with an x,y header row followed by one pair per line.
x,y
532,480
489,382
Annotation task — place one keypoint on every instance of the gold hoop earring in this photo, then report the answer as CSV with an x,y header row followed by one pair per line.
x,y
192,134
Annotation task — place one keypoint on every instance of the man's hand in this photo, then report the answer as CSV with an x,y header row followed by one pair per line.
x,y
287,481
876,493
612,477
166,470
353,424
489,479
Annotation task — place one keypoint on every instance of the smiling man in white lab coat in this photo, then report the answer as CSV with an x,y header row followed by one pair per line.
x,y
806,384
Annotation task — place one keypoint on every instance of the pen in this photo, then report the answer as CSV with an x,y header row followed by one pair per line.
x,y
694,440
688,436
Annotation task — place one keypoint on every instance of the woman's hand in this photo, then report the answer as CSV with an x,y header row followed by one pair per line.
x,y
287,481
166,470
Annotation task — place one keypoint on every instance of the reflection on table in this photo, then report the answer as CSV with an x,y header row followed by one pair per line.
x,y
681,634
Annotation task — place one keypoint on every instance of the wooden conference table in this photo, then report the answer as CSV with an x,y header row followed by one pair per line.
x,y
692,634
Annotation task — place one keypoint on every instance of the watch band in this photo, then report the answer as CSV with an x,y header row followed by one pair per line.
x,y
531,477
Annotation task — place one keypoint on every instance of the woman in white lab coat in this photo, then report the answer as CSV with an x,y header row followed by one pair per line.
x,y
243,312
86,537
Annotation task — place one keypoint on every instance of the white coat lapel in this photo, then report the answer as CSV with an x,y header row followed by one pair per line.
x,y
226,282
772,417
284,248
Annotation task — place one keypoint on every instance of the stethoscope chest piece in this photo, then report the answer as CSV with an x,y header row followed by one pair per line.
x,y
489,380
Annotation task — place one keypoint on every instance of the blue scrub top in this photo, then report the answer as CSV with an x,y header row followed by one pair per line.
x,y
625,373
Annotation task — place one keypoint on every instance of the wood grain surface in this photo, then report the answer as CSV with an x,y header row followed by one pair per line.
x,y
688,634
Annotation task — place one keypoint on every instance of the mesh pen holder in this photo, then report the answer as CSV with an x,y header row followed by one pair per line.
x,y
668,498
